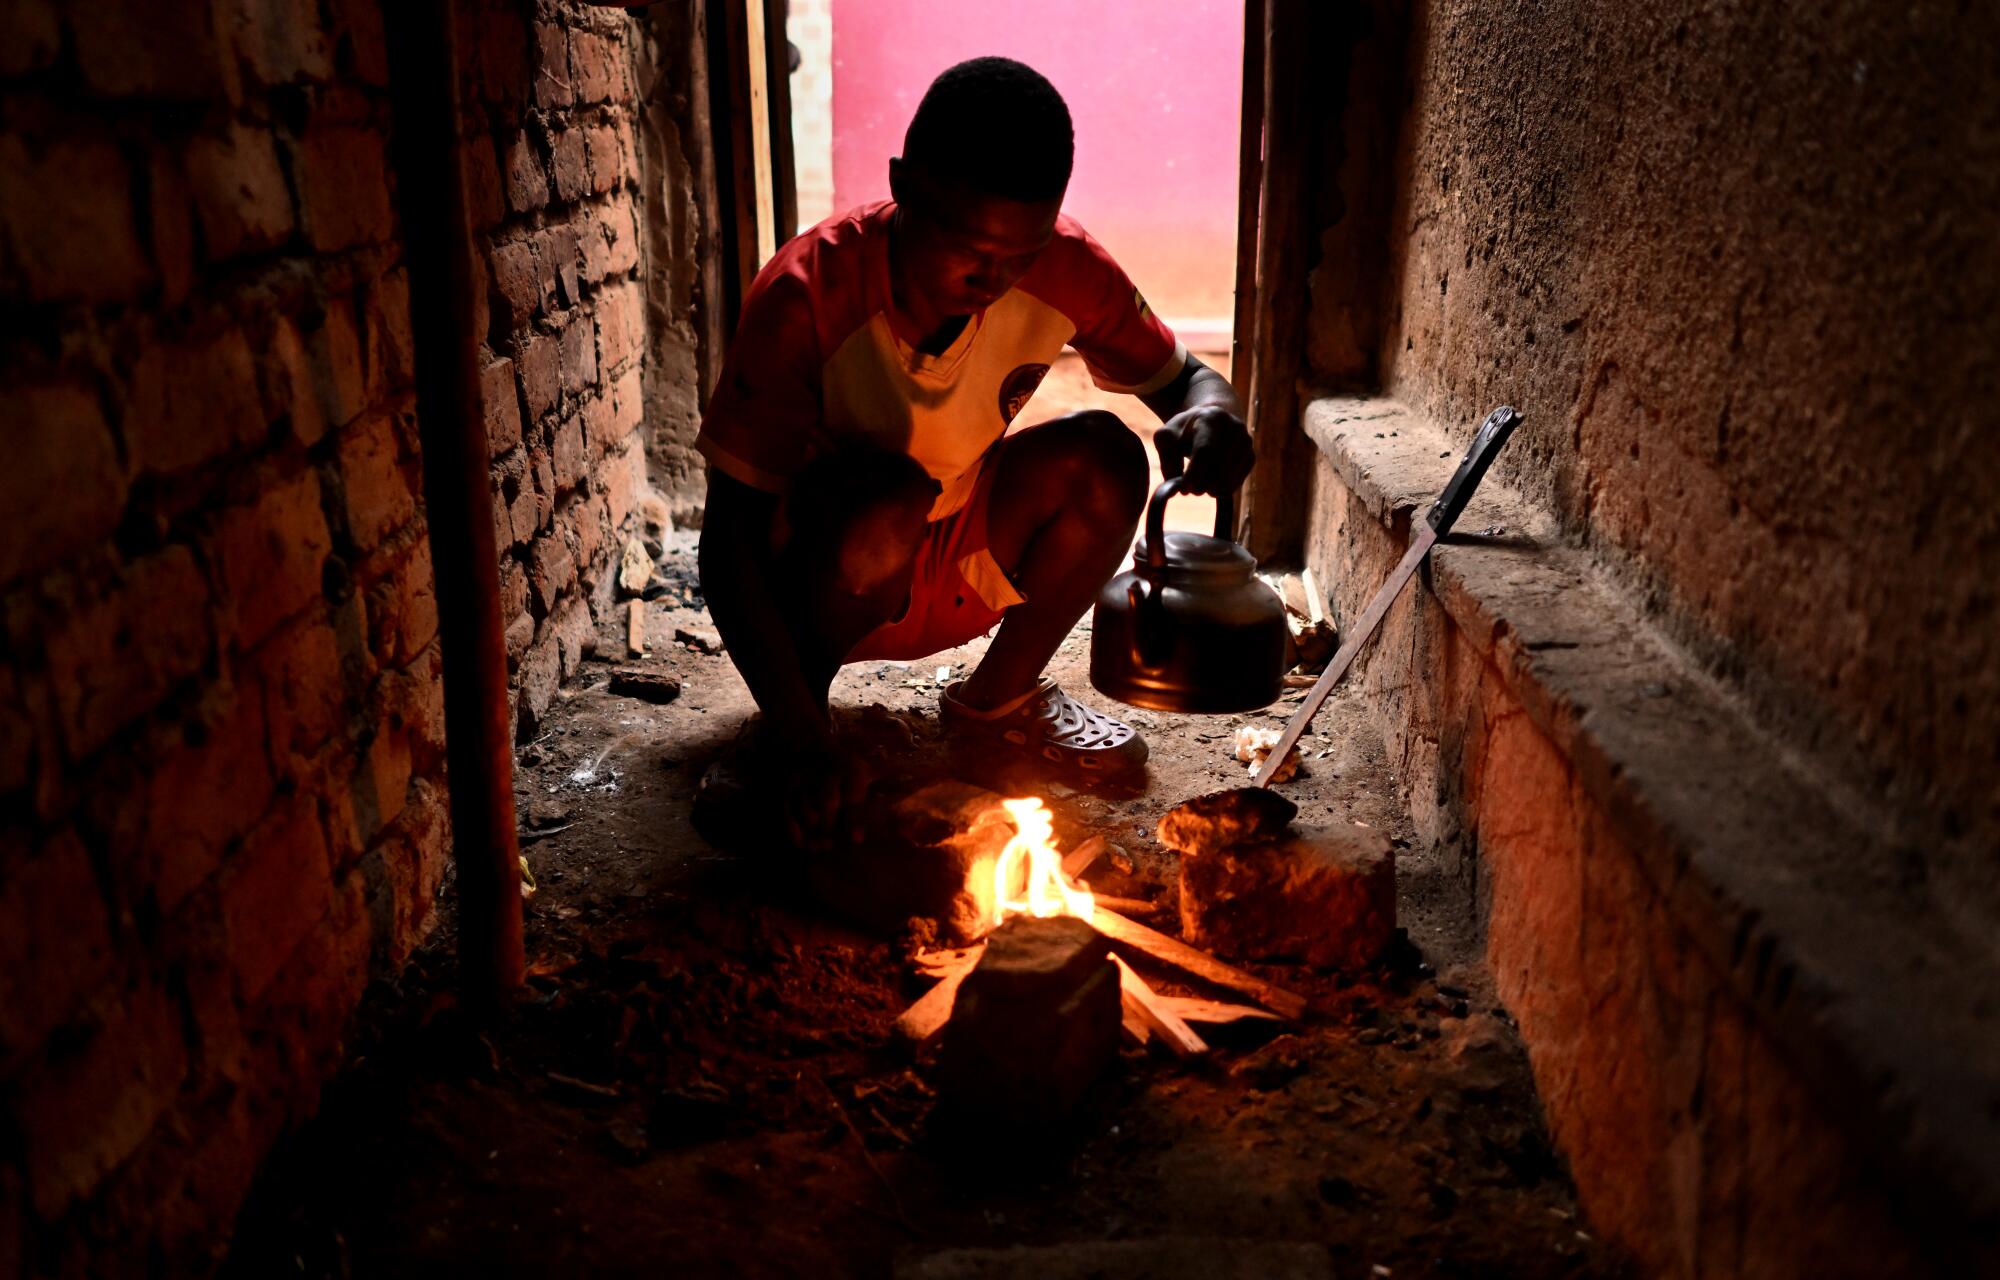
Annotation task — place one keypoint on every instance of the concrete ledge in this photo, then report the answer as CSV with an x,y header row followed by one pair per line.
x,y
1764,1042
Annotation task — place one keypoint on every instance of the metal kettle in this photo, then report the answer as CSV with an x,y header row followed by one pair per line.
x,y
1190,627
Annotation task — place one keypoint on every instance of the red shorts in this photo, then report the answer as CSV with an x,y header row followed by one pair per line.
x,y
957,589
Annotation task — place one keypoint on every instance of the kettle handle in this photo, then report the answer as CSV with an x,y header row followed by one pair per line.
x,y
1156,520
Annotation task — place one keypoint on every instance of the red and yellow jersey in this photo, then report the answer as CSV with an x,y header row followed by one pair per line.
x,y
818,361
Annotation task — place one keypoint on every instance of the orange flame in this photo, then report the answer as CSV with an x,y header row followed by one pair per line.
x,y
1029,866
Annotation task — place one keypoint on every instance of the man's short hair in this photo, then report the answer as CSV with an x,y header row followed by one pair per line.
x,y
996,124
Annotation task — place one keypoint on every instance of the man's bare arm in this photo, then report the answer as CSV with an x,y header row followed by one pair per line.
x,y
1203,427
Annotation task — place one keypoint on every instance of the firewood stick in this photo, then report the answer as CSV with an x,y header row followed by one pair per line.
x,y
1139,905
1178,954
1078,860
928,1015
1214,1013
1139,997
1134,1023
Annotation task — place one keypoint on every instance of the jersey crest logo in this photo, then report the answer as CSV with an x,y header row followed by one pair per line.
x,y
1018,387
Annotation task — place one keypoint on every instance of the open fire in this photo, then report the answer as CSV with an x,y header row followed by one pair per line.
x,y
1028,878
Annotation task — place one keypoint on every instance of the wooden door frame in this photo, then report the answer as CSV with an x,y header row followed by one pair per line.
x,y
756,184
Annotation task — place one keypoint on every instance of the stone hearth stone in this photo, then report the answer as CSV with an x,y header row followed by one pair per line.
x,y
1162,1258
1035,1026
927,852
1322,895
1223,818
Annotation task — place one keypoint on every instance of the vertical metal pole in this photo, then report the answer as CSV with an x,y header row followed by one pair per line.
x,y
446,320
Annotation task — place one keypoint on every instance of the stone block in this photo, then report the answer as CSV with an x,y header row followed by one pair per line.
x,y
1325,896
569,165
193,400
55,937
271,554
927,852
63,487
276,891
526,175
540,366
501,403
375,480
113,659
342,175
239,191
86,1108
1223,818
1034,1027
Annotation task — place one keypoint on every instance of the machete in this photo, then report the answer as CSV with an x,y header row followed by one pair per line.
x,y
1486,443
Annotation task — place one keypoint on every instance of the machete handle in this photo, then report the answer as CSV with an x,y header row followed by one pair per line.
x,y
1486,444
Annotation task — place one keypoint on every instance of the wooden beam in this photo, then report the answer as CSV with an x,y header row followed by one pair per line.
x,y
1140,1002
1173,952
1249,190
778,77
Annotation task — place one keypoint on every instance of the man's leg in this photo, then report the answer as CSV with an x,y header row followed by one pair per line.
x,y
1065,502
854,525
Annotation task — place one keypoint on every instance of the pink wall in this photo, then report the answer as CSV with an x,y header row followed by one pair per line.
x,y
1153,89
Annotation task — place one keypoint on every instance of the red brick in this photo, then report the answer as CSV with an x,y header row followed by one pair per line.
x,y
517,283
621,323
513,588
594,251
379,486
540,365
586,521
19,745
552,75
392,358
485,200
153,48
239,192
505,69
271,554
310,1003
305,688
415,695
623,238
339,377
622,477
279,41
389,770
112,660
551,571
193,400
527,177
571,459
355,27
579,356
607,162
277,889
575,635
55,937
342,174
600,426
628,395
87,1108
202,793
569,165
557,247
290,387
63,487
600,67
34,38
502,406
170,218
402,608
539,674
67,215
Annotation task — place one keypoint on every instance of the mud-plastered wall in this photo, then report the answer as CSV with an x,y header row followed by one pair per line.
x,y
1738,266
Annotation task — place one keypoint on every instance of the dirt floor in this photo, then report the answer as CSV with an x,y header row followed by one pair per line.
x,y
701,1078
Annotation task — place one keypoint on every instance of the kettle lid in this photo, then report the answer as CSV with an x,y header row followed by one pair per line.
x,y
1197,557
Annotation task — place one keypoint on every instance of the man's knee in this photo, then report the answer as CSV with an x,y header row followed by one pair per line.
x,y
1103,462
860,515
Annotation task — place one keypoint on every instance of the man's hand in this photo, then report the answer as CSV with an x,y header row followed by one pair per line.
x,y
1213,445
823,790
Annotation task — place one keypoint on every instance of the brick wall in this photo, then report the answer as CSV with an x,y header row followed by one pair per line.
x,y
555,144
221,799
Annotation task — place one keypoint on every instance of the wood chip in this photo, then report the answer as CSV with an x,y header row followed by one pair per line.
x,y
927,1016
1179,955
1215,1013
1140,1000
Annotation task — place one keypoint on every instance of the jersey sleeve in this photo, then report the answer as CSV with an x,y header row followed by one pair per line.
x,y
764,422
1125,346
